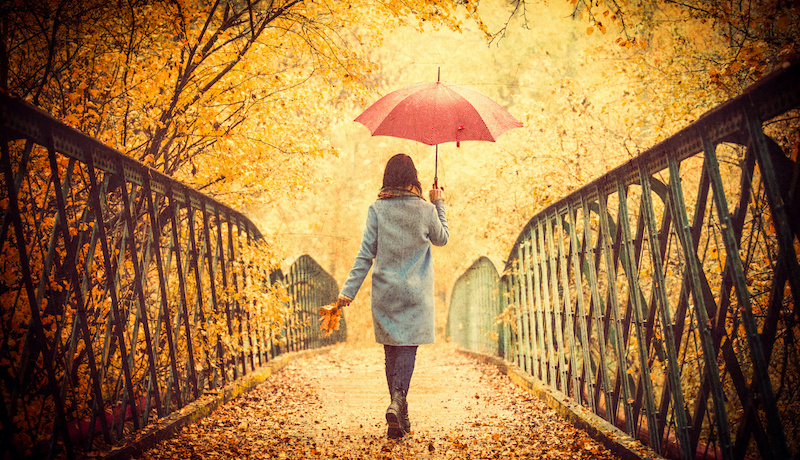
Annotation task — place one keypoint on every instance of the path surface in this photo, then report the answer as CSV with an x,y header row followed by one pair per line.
x,y
332,406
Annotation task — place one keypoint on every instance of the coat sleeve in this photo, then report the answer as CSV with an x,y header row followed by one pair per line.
x,y
439,233
366,255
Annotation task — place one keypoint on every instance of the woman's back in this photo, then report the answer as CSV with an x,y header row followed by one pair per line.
x,y
402,278
406,228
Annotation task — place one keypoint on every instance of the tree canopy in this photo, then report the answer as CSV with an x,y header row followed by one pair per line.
x,y
220,94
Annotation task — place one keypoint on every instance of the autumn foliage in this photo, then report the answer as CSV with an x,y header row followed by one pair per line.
x,y
213,93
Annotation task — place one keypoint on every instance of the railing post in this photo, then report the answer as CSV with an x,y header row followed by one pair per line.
x,y
637,309
155,229
219,255
38,328
541,259
195,264
242,317
139,292
734,264
598,312
613,304
589,378
570,318
211,260
527,346
559,331
704,325
538,320
505,326
515,291
110,284
182,267
662,303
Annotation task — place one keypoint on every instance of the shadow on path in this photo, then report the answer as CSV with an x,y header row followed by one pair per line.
x,y
332,406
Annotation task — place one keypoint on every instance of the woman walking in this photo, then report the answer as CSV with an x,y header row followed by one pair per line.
x,y
401,226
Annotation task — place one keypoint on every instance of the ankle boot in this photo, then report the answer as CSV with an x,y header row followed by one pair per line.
x,y
405,423
394,414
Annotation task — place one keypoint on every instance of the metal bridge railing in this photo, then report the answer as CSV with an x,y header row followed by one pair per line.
x,y
661,296
125,294
472,319
311,287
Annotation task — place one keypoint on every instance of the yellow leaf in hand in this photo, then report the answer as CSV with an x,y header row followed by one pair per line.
x,y
330,315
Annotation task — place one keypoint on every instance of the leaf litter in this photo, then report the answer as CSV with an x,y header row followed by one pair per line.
x,y
332,406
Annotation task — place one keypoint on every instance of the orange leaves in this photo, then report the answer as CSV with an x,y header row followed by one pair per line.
x,y
329,317
72,120
633,43
600,27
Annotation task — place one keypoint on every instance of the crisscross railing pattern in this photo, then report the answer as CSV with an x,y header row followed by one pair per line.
x,y
311,286
472,319
125,294
661,295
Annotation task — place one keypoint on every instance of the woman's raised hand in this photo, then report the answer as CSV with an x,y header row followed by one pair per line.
x,y
436,194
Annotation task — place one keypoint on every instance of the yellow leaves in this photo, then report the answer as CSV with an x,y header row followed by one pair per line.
x,y
72,120
329,317
599,25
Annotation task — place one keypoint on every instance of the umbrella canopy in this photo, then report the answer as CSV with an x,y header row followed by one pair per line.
x,y
436,112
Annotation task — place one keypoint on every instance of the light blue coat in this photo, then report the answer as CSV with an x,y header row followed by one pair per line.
x,y
398,238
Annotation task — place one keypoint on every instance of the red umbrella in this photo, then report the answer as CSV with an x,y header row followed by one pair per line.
x,y
433,113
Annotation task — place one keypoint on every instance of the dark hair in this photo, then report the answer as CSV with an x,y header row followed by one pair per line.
x,y
400,173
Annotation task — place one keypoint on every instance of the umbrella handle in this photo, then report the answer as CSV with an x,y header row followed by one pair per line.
x,y
436,170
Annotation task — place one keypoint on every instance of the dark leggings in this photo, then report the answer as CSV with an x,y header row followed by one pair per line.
x,y
399,366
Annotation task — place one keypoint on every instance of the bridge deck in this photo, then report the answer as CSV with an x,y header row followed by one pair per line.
x,y
332,405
